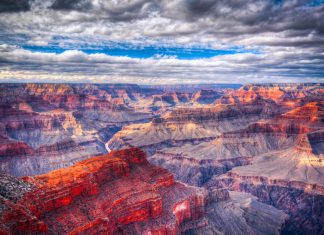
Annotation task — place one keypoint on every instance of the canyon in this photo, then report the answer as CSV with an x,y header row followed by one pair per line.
x,y
130,159
262,139
44,127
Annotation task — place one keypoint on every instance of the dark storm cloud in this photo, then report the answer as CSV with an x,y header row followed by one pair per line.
x,y
249,16
223,18
106,10
71,5
133,10
198,8
14,5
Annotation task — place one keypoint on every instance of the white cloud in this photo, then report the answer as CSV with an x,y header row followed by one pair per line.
x,y
76,65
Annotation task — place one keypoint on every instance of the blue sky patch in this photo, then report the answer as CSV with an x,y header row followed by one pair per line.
x,y
315,3
144,52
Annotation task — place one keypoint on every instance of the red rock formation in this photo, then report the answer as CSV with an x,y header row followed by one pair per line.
x,y
13,148
109,193
279,93
297,123
220,112
311,112
84,96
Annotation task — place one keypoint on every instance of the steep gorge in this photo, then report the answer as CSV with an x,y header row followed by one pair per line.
x,y
269,144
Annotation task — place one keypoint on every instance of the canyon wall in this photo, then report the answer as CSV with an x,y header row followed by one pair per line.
x,y
266,140
49,126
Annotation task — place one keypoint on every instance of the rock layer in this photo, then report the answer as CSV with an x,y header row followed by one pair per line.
x,y
110,194
44,127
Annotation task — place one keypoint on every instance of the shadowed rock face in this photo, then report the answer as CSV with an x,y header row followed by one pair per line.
x,y
207,96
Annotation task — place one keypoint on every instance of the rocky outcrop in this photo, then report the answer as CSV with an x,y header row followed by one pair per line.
x,y
284,94
301,201
221,112
13,148
206,96
115,193
121,193
242,213
194,170
290,180
171,98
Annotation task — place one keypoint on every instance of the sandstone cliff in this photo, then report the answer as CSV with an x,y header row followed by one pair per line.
x,y
115,193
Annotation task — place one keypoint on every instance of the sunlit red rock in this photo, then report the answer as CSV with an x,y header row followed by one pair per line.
x,y
108,193
284,94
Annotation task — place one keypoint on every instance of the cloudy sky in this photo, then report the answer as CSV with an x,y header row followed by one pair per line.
x,y
162,41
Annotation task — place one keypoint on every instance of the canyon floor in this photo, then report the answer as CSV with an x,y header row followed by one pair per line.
x,y
186,159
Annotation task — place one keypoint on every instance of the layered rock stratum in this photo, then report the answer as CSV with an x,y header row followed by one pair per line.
x,y
44,127
109,194
264,139
49,126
